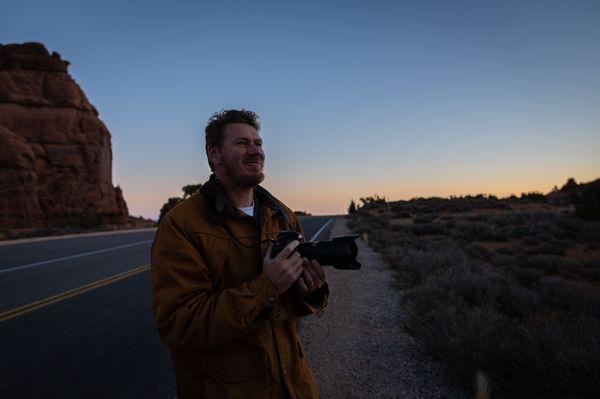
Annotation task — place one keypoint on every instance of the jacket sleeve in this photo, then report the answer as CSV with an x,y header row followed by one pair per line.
x,y
188,312
292,304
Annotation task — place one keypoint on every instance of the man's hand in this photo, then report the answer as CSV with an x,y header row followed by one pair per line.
x,y
313,277
284,269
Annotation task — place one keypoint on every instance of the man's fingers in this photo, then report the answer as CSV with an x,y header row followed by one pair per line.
x,y
297,270
285,252
302,286
319,270
308,278
269,249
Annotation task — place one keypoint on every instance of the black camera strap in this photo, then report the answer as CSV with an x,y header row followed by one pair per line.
x,y
256,242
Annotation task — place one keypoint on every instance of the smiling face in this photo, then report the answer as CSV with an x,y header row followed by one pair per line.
x,y
240,157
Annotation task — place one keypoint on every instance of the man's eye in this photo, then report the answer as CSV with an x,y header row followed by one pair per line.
x,y
259,144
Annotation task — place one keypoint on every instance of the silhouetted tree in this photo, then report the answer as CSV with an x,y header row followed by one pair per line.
x,y
170,204
533,196
376,199
188,191
352,208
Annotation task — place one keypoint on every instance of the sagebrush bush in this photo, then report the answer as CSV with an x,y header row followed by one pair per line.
x,y
471,231
550,264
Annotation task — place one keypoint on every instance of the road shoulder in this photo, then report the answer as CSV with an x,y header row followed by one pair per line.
x,y
358,348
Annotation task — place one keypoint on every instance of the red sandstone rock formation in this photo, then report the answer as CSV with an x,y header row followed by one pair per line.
x,y
55,154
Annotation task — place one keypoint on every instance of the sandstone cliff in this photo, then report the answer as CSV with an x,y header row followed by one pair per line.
x,y
55,153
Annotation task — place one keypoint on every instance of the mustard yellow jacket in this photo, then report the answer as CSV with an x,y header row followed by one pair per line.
x,y
213,304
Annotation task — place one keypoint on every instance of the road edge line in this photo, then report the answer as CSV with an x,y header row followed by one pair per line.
x,y
321,229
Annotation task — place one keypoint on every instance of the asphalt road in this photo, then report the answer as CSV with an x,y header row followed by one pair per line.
x,y
69,328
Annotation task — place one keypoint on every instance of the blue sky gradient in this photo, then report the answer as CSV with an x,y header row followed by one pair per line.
x,y
401,99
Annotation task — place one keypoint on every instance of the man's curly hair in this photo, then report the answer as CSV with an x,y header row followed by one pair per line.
x,y
217,122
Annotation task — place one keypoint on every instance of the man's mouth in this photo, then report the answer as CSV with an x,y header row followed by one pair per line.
x,y
254,162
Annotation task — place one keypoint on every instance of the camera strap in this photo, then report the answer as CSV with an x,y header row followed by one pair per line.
x,y
254,244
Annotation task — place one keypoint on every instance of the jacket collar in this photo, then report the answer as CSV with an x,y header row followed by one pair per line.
x,y
218,202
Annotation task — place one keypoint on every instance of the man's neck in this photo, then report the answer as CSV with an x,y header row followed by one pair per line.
x,y
239,197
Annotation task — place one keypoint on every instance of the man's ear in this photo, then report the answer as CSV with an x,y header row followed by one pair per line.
x,y
214,155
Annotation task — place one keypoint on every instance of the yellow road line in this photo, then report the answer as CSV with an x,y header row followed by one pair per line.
x,y
30,307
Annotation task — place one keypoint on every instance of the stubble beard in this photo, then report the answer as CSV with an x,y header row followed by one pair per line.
x,y
243,181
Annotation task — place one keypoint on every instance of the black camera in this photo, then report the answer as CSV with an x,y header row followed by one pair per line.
x,y
339,252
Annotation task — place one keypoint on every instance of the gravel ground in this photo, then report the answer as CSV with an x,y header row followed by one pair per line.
x,y
358,349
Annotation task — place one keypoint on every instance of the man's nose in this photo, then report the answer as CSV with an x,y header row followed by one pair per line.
x,y
254,149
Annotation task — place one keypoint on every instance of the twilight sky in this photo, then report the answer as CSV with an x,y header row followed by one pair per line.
x,y
356,98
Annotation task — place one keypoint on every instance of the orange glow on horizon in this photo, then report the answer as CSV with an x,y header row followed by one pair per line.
x,y
324,198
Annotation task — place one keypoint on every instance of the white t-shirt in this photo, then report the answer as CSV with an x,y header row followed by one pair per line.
x,y
248,210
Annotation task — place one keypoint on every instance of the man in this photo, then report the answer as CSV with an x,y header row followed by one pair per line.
x,y
226,309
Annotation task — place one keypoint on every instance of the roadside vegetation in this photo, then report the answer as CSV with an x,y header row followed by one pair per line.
x,y
509,287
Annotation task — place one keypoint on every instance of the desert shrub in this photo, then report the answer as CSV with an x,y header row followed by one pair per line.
x,y
556,358
550,264
478,251
592,264
482,217
362,228
513,251
562,243
474,318
569,226
589,232
520,231
363,213
450,223
466,339
429,218
548,249
402,214
379,223
351,223
545,230
427,229
397,228
569,298
587,204
589,274
530,241
503,260
415,265
501,234
512,219
527,277
501,221
471,231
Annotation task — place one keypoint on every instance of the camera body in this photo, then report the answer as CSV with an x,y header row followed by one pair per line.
x,y
339,252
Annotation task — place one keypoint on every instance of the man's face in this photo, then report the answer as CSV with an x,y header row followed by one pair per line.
x,y
241,157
